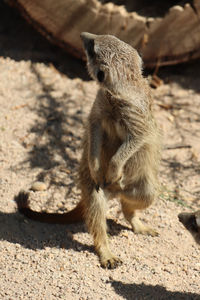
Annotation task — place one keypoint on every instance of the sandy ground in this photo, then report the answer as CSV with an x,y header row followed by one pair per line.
x,y
45,97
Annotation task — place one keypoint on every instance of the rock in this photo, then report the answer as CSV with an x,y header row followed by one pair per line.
x,y
38,186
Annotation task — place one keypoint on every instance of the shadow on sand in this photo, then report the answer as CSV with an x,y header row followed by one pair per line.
x,y
149,292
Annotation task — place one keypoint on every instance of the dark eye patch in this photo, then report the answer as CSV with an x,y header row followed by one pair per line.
x,y
100,76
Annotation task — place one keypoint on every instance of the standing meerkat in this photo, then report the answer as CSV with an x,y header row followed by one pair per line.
x,y
121,145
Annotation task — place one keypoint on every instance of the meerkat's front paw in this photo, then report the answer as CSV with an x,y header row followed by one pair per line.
x,y
114,173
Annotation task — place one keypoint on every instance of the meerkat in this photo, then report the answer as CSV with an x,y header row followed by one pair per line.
x,y
191,221
121,145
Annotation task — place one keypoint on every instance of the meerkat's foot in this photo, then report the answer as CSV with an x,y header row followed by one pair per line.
x,y
109,261
139,227
146,230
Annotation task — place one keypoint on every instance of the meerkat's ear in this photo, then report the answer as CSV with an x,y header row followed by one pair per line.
x,y
88,42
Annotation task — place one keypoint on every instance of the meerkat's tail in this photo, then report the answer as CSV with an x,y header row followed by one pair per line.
x,y
73,216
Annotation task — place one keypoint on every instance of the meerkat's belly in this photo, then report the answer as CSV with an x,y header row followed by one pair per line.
x,y
112,140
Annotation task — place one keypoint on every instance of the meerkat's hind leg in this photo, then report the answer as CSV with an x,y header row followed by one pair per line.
x,y
95,218
130,213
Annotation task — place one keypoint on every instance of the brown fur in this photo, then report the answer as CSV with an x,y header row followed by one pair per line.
x,y
191,221
121,146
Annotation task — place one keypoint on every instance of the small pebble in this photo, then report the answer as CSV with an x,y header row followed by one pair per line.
x,y
38,186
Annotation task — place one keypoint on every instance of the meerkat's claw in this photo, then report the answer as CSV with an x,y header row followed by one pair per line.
x,y
111,263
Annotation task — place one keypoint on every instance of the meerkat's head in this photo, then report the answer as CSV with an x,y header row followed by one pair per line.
x,y
115,65
191,221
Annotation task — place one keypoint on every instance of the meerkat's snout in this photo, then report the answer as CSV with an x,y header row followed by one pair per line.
x,y
88,42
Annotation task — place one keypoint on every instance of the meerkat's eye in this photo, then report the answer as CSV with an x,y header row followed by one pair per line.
x,y
100,76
